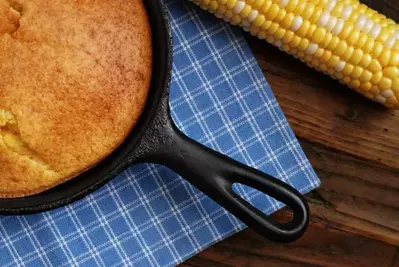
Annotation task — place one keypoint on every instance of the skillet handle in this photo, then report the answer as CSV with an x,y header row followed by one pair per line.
x,y
214,174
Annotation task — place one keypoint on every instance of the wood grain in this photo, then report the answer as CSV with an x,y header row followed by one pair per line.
x,y
321,246
353,145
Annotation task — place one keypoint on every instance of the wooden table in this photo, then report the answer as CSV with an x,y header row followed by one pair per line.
x,y
353,144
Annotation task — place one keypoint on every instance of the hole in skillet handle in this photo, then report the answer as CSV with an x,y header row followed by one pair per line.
x,y
214,174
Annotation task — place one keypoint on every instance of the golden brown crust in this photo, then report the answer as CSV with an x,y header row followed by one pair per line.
x,y
74,77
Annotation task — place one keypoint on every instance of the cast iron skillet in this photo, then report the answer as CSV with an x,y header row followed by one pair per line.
x,y
156,139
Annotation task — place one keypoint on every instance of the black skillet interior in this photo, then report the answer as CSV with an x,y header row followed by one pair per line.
x,y
157,140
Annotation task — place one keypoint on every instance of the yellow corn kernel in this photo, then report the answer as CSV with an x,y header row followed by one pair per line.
x,y
279,34
270,39
346,30
316,14
311,30
383,36
295,41
213,6
291,5
281,15
288,37
323,67
365,61
333,43
333,61
366,76
262,35
355,84
341,48
259,20
254,30
374,90
257,4
245,11
303,29
337,9
230,4
235,19
357,71
374,66
303,44
365,86
394,60
272,29
377,50
326,56
353,37
385,57
391,72
287,21
318,35
265,26
395,85
319,53
347,69
356,56
391,101
385,83
308,12
265,7
347,79
376,77
326,40
361,41
300,7
221,10
368,46
271,14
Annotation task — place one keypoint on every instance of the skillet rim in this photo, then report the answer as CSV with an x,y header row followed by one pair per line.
x,y
96,177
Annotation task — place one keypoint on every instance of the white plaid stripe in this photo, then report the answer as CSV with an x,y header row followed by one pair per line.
x,y
122,223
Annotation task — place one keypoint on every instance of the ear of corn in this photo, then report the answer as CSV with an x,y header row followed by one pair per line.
x,y
342,38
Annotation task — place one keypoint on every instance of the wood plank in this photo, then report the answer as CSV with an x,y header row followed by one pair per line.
x,y
219,256
395,262
321,246
356,195
322,110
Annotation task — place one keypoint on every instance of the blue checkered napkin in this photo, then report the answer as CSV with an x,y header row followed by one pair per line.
x,y
148,216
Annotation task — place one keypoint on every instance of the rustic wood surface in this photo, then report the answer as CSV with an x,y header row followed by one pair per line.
x,y
353,144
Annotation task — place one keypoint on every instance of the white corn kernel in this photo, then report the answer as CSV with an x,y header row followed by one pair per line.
x,y
367,27
252,16
238,7
380,99
283,3
375,31
312,48
387,93
331,4
331,23
338,27
346,12
325,16
340,66
296,23
361,21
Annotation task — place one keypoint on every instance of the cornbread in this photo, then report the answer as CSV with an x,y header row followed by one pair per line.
x,y
74,78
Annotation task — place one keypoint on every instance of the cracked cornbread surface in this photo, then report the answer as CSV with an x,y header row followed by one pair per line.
x,y
74,78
